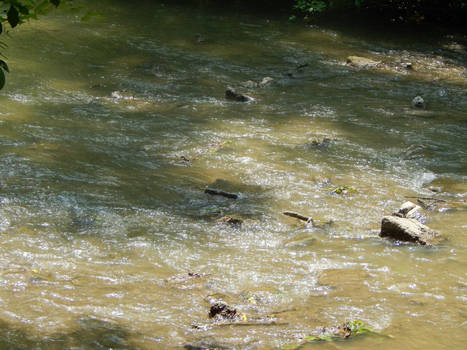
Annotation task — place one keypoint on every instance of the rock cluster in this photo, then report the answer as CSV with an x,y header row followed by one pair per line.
x,y
404,226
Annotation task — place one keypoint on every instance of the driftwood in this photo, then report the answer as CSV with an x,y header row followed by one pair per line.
x,y
220,193
298,216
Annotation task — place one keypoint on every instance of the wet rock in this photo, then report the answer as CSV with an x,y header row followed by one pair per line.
x,y
407,230
250,84
435,189
321,143
231,221
214,192
265,82
410,210
231,94
407,65
223,311
418,102
362,62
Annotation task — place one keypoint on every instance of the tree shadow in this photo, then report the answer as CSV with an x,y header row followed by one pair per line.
x,y
90,334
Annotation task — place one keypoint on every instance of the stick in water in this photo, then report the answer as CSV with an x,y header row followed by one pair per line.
x,y
298,216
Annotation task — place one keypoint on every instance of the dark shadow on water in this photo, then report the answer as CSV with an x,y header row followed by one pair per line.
x,y
90,334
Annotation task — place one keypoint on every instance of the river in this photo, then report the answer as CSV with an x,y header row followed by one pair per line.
x,y
110,130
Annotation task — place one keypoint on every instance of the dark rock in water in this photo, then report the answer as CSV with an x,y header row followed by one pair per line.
x,y
233,95
223,311
231,221
418,102
407,230
214,192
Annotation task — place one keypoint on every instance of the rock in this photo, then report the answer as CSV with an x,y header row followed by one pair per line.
x,y
265,82
435,189
250,84
325,142
410,210
407,65
233,95
407,230
231,221
221,310
418,102
405,208
362,62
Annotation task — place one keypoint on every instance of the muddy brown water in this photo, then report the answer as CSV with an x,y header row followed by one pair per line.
x,y
99,211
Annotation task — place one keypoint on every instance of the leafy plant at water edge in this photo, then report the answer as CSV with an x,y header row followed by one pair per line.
x,y
15,12
394,10
345,331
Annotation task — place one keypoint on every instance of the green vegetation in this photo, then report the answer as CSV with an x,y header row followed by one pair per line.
x,y
400,11
347,330
16,12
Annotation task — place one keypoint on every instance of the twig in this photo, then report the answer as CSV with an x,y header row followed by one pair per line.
x,y
298,216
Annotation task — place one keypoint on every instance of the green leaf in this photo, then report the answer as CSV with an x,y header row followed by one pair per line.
x,y
2,79
13,16
1,28
4,66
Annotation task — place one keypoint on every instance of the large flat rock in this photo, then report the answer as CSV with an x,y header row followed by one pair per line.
x,y
407,230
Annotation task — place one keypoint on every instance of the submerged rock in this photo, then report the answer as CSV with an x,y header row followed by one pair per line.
x,y
407,230
231,94
418,102
362,62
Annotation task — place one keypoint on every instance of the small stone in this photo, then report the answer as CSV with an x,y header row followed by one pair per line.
x,y
418,102
407,65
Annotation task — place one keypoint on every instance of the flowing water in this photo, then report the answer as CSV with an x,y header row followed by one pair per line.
x,y
111,130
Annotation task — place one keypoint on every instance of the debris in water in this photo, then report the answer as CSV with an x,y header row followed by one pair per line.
x,y
342,189
220,193
298,216
344,331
